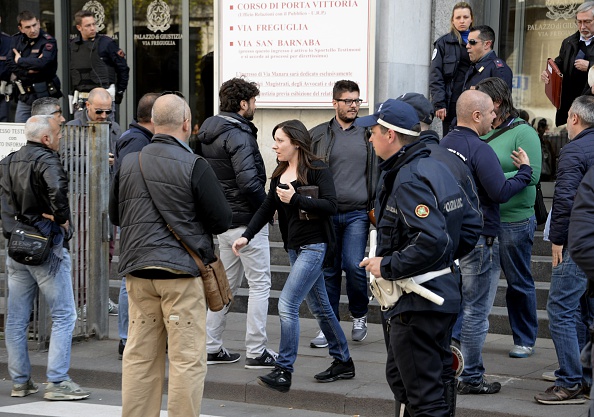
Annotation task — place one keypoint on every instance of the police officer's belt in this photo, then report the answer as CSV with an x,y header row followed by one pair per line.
x,y
83,95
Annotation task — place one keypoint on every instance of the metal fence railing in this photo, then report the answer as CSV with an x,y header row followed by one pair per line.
x,y
84,154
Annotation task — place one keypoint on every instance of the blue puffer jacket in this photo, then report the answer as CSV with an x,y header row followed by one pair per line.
x,y
574,161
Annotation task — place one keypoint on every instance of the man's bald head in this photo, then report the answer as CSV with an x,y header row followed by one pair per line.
x,y
170,114
475,110
100,94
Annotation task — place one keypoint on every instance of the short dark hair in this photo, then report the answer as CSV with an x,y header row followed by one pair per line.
x,y
81,14
233,91
344,86
44,106
145,107
499,92
25,15
486,33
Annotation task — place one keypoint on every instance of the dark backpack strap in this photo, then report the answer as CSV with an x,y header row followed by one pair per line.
x,y
501,131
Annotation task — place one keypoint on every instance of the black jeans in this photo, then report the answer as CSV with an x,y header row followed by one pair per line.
x,y
420,360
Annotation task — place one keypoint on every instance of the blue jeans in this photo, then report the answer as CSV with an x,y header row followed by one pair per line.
x,y
306,281
351,230
515,251
123,312
23,112
480,275
23,282
566,315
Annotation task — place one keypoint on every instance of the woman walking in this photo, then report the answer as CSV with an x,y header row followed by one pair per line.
x,y
308,235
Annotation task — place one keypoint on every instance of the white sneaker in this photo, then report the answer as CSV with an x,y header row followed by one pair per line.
x,y
319,341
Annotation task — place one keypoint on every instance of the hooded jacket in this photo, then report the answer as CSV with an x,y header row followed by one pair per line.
x,y
228,143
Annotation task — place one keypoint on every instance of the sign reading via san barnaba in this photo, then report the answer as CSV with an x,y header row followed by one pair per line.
x,y
295,50
12,138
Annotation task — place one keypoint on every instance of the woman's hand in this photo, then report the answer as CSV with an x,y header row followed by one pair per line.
x,y
285,195
238,245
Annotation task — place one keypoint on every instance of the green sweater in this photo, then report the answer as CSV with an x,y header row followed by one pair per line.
x,y
521,206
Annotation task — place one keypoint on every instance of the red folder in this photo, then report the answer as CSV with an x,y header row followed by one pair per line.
x,y
553,88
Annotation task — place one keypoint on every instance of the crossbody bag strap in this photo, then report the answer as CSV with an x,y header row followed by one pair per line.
x,y
193,254
501,131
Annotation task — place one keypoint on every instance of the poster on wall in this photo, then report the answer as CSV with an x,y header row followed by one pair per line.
x,y
296,50
12,138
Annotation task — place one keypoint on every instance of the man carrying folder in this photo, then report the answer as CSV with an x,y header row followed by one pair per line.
x,y
576,55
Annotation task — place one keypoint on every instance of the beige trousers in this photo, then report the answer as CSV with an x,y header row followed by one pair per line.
x,y
164,311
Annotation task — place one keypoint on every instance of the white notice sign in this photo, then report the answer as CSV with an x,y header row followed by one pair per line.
x,y
296,50
12,138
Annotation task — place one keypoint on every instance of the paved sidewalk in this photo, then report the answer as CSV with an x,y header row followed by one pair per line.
x,y
95,364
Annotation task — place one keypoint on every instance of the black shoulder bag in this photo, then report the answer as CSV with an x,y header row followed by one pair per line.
x,y
27,245
540,210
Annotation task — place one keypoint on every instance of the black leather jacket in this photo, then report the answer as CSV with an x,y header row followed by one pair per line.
x,y
322,141
39,185
228,143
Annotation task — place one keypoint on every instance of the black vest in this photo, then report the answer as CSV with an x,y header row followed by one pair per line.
x,y
87,69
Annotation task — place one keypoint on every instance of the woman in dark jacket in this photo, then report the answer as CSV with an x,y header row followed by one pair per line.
x,y
307,232
449,64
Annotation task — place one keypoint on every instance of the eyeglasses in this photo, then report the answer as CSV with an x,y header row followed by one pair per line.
x,y
349,101
176,93
474,41
59,111
99,111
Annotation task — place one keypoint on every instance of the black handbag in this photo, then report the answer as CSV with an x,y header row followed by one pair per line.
x,y
27,245
540,210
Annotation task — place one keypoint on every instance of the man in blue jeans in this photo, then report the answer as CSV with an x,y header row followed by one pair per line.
x,y
351,158
34,189
567,305
480,268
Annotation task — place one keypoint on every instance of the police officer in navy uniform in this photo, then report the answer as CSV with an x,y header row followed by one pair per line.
x,y
420,210
485,62
96,61
5,87
33,59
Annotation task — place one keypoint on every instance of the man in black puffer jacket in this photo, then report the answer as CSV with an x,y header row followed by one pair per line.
x,y
166,187
228,143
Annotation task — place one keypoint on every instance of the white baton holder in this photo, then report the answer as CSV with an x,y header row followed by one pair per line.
x,y
387,292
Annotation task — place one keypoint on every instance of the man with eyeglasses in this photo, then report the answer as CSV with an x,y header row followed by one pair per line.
x,y
48,106
484,60
98,109
351,158
576,56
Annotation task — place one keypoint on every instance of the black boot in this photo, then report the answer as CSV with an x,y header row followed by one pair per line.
x,y
450,395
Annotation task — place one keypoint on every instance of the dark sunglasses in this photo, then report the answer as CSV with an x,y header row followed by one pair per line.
x,y
176,93
474,41
99,111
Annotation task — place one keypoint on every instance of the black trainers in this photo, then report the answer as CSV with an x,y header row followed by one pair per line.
x,y
278,380
338,370
222,356
266,360
121,348
482,387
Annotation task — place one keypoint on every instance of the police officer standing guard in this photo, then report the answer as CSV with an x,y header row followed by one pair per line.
x,y
5,87
96,61
33,59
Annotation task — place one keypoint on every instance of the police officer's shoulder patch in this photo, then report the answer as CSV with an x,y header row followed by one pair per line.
x,y
47,36
121,54
422,211
49,46
499,63
434,54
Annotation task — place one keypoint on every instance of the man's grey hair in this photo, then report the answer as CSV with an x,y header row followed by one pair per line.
x,y
586,6
583,107
37,126
45,106
170,115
